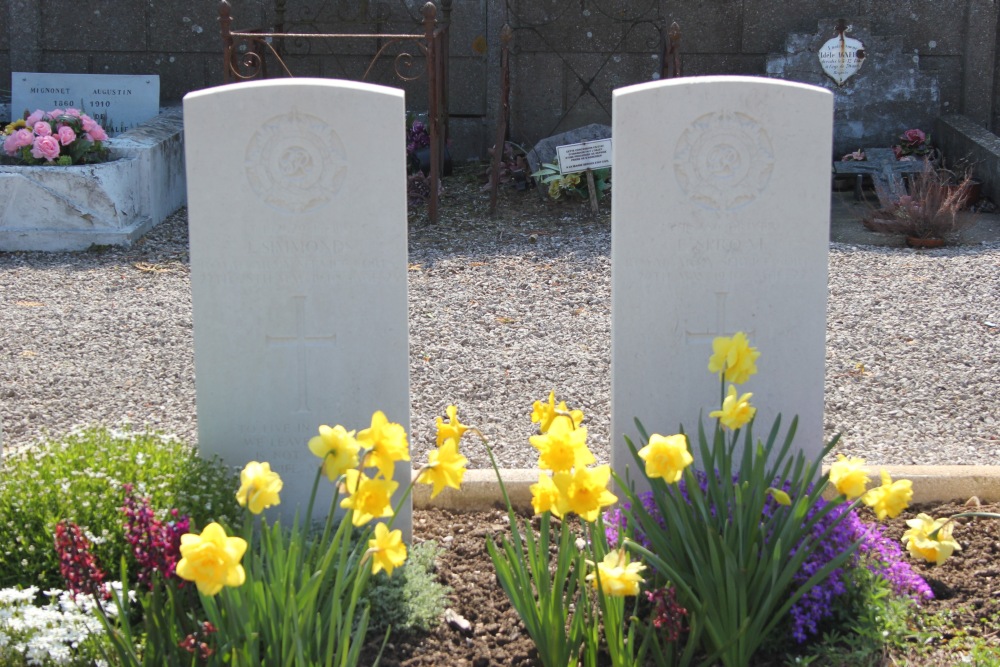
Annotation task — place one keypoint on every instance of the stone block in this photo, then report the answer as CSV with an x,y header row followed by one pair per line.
x,y
467,92
707,26
180,73
961,138
188,26
96,25
933,28
766,24
706,64
112,203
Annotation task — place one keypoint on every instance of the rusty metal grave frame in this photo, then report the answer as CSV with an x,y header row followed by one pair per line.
x,y
246,52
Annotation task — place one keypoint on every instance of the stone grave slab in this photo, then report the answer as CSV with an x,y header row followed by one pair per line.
x,y
297,214
720,223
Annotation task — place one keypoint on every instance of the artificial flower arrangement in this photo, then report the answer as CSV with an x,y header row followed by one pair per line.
x,y
914,144
58,137
571,184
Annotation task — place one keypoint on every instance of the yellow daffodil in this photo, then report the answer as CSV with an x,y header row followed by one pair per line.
x,y
544,494
545,413
733,358
259,487
583,492
369,498
563,446
453,429
890,499
387,549
387,444
666,457
337,448
618,577
920,544
212,560
849,477
736,411
445,467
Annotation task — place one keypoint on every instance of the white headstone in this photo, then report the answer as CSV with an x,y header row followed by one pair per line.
x,y
297,214
119,102
720,223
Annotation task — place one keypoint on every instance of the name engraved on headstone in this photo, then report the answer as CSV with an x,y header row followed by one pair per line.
x,y
723,160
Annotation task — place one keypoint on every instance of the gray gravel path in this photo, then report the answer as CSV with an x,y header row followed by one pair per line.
x,y
498,317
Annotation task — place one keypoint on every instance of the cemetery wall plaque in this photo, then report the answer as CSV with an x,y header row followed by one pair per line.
x,y
118,102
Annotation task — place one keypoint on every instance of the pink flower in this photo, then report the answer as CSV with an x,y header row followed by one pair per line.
x,y
75,113
87,122
45,147
55,113
23,137
9,146
35,117
97,133
42,128
66,135
914,137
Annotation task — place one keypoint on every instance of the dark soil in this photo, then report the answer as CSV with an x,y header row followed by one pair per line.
x,y
967,585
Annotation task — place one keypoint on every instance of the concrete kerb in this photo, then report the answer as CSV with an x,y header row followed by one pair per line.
x,y
931,484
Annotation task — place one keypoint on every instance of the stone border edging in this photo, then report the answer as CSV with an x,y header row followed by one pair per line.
x,y
480,490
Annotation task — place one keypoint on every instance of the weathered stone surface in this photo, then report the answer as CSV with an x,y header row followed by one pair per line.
x,y
930,27
545,150
720,223
96,25
297,216
707,26
766,24
889,95
964,142
113,203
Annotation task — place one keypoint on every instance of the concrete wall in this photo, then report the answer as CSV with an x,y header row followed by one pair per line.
x,y
568,54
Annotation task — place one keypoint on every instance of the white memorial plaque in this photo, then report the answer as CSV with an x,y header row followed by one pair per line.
x,y
720,223
841,58
118,102
298,269
574,158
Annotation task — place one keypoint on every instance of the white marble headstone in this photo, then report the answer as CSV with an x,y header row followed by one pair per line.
x,y
720,223
297,214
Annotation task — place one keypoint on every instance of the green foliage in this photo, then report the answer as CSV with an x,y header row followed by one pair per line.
x,y
556,184
412,599
80,479
732,564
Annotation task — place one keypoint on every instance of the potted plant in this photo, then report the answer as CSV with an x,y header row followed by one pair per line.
x,y
928,215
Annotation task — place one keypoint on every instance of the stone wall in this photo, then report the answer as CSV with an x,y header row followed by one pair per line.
x,y
567,54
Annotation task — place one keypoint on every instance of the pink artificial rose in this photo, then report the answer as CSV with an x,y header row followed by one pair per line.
x,y
66,135
42,128
914,137
9,144
55,113
35,117
75,113
45,147
23,137
87,123
97,133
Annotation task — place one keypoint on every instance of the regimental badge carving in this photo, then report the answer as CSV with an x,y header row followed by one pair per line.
x,y
296,162
723,161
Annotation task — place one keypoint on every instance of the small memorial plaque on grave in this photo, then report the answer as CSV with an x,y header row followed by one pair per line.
x,y
841,58
574,158
118,102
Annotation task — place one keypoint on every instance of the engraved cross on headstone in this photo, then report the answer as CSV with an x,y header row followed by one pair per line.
x,y
300,341
691,337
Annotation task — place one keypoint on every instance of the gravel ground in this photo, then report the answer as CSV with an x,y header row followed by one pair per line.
x,y
501,311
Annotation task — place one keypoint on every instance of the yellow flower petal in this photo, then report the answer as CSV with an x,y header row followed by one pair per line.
x,y
445,467
849,477
733,358
338,448
563,446
618,576
544,494
259,487
890,499
452,429
666,457
387,549
736,411
386,442
369,498
919,543
584,492
212,559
